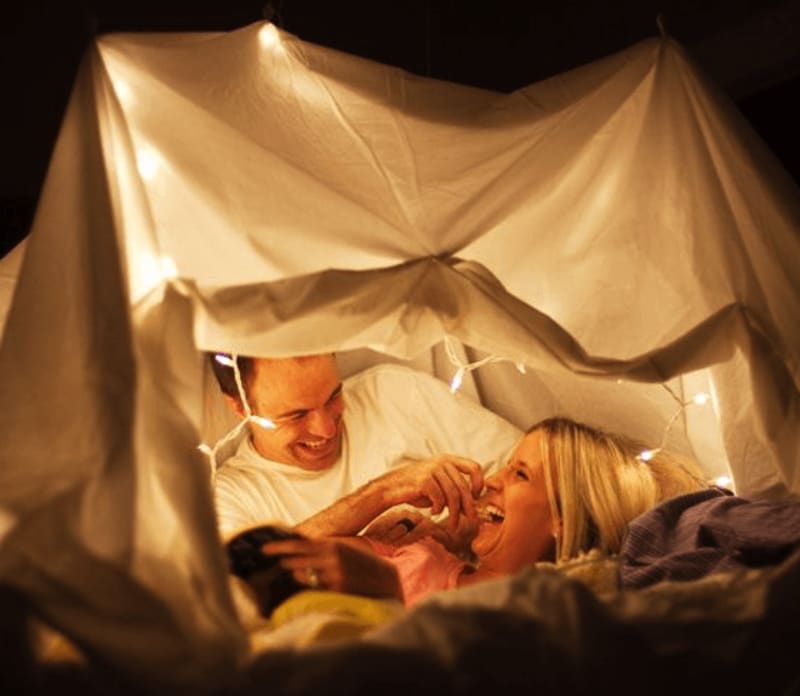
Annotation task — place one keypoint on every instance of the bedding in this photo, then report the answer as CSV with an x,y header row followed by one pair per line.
x,y
544,632
715,607
711,531
567,630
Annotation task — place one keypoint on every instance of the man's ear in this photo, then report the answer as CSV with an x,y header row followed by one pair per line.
x,y
234,404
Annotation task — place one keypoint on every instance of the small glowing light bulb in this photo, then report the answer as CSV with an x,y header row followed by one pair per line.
x,y
701,399
223,359
265,423
723,481
455,383
645,455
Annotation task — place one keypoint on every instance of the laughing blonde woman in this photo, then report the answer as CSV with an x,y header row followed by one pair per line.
x,y
567,489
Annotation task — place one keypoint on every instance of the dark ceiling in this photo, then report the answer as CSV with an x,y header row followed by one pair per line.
x,y
751,49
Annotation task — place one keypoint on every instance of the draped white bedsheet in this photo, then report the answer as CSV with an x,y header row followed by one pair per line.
x,y
613,228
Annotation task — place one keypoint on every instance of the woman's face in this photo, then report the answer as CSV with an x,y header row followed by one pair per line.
x,y
515,525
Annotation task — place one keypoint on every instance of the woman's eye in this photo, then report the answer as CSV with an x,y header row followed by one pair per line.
x,y
522,474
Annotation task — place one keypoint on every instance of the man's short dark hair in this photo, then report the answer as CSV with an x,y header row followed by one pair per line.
x,y
225,375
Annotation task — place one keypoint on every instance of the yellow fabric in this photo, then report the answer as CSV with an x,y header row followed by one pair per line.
x,y
315,616
352,610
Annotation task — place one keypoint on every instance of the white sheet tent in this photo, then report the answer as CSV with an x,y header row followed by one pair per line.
x,y
614,229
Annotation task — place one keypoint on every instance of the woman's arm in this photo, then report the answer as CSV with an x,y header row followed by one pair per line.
x,y
341,565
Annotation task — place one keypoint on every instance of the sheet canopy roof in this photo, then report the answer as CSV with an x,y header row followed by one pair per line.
x,y
249,191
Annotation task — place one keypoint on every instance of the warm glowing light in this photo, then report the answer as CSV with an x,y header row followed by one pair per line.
x,y
167,267
646,455
124,92
701,399
223,359
723,481
455,383
152,270
464,367
265,423
268,36
148,163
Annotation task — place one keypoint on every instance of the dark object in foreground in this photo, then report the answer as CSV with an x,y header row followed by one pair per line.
x,y
271,583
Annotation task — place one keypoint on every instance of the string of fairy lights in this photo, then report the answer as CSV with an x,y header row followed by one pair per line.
x,y
699,399
231,360
462,368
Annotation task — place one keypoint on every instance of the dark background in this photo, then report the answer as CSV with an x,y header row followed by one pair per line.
x,y
751,49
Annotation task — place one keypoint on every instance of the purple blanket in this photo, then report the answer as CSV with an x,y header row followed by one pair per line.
x,y
710,531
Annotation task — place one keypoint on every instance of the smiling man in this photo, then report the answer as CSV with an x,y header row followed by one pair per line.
x,y
319,439
303,399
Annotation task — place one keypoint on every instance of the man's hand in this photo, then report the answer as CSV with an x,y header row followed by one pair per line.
x,y
394,526
341,565
442,482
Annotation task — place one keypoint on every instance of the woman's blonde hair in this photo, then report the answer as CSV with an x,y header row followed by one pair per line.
x,y
597,484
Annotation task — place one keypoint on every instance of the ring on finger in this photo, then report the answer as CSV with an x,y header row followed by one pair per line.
x,y
406,523
312,578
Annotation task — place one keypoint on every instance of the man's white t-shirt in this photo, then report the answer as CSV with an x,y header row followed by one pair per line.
x,y
391,413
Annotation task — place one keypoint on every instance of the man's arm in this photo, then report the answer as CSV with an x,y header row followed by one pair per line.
x,y
442,482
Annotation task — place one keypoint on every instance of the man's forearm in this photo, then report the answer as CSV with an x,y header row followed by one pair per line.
x,y
350,514
445,481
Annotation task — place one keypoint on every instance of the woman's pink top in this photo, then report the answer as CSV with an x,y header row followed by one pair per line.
x,y
423,567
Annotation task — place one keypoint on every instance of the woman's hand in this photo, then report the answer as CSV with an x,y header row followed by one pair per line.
x,y
341,565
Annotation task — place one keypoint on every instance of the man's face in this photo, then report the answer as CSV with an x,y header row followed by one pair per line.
x,y
303,397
